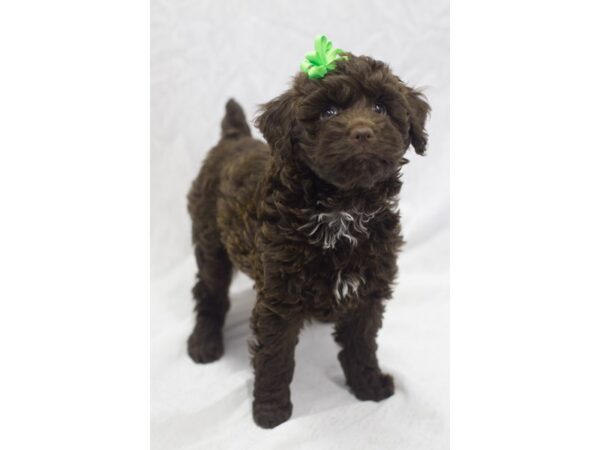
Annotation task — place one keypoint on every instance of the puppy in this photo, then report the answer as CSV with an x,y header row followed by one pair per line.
x,y
312,218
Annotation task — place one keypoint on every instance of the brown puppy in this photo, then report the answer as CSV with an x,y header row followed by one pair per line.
x,y
312,218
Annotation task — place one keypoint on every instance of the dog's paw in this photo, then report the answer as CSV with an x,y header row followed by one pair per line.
x,y
271,414
205,347
373,385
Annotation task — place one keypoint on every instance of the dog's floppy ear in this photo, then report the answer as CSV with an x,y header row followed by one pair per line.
x,y
418,111
276,121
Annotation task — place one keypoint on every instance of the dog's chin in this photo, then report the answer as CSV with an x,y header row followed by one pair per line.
x,y
350,166
357,173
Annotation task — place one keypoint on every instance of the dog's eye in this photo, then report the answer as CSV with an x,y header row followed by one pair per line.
x,y
379,108
329,112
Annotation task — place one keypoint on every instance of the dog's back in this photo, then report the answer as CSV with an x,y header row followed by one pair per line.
x,y
225,188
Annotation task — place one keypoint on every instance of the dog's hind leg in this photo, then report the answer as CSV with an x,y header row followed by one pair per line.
x,y
211,295
214,266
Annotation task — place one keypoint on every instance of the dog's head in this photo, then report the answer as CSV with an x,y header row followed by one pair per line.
x,y
351,127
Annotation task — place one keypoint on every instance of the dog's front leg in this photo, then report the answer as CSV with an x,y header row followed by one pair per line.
x,y
357,333
276,337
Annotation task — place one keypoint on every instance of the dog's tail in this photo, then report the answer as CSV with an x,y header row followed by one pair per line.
x,y
234,124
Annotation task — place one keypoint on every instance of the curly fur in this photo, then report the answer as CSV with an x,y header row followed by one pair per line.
x,y
327,228
311,217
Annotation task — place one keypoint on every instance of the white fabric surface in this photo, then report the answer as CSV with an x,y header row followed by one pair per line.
x,y
205,52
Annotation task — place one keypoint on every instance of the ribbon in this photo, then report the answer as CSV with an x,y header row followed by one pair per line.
x,y
319,63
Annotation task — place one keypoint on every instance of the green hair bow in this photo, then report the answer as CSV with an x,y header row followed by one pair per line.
x,y
322,61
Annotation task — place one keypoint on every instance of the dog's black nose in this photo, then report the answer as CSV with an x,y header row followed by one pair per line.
x,y
361,133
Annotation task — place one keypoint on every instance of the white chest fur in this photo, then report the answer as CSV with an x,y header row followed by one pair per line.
x,y
346,286
326,229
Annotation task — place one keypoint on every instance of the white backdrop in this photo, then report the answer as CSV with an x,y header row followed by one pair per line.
x,y
204,52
